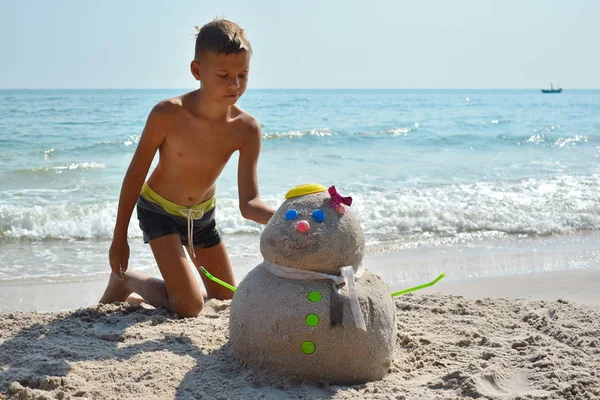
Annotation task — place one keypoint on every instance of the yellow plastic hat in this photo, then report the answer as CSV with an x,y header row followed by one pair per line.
x,y
307,188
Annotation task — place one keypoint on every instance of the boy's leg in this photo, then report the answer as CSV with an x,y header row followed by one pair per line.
x,y
123,289
216,261
179,292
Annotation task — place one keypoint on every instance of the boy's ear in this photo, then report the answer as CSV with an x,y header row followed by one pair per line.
x,y
195,69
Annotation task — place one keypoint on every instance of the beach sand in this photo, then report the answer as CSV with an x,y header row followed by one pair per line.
x,y
516,337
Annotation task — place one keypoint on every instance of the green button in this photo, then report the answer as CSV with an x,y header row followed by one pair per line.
x,y
312,320
308,347
315,296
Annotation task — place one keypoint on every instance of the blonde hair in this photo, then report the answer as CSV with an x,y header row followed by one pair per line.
x,y
221,36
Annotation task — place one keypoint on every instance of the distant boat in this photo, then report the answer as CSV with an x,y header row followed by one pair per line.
x,y
552,89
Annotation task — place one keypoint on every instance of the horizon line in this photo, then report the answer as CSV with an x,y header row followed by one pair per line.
x,y
283,88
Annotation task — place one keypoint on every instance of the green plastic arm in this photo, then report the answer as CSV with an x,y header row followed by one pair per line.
x,y
412,289
215,279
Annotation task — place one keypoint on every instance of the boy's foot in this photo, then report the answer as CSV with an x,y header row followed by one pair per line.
x,y
135,299
115,291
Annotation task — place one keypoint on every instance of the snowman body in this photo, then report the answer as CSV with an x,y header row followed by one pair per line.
x,y
304,326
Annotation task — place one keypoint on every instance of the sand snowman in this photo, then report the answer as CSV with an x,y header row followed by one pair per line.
x,y
310,310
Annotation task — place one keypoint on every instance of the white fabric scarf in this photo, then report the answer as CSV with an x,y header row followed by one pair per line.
x,y
348,276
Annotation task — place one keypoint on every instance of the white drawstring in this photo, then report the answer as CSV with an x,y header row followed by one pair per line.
x,y
191,215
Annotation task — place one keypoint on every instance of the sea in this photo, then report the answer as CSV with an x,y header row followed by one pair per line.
x,y
472,183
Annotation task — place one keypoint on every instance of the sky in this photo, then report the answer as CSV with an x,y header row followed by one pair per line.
x,y
305,43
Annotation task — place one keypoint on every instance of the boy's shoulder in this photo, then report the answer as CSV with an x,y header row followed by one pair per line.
x,y
245,119
165,111
168,106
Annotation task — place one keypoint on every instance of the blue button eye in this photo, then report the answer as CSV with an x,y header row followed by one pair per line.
x,y
291,214
318,215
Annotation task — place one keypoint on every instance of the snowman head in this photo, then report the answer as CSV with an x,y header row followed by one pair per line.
x,y
314,229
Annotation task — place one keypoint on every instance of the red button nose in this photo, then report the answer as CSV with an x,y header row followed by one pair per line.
x,y
303,226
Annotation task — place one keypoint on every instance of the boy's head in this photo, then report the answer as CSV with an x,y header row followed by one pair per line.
x,y
221,37
222,60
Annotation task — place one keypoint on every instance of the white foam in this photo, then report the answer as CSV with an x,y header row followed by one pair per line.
x,y
535,206
300,133
402,131
68,167
60,221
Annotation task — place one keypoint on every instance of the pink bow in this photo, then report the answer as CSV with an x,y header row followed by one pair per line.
x,y
337,200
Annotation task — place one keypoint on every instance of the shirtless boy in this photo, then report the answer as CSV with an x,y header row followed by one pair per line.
x,y
195,134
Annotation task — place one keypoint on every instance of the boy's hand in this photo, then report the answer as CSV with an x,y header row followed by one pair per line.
x,y
118,256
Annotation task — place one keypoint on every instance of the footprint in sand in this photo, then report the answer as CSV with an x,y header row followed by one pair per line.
x,y
501,382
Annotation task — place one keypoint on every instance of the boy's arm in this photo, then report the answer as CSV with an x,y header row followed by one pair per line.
x,y
251,205
152,137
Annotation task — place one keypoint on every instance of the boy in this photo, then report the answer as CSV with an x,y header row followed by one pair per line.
x,y
195,134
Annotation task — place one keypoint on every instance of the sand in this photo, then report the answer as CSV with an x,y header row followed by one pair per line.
x,y
448,347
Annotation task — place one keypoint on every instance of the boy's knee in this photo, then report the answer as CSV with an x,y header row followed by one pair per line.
x,y
187,308
225,295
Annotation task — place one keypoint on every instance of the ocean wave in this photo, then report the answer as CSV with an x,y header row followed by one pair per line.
x,y
318,132
403,131
103,146
542,139
129,141
563,204
82,123
57,221
60,168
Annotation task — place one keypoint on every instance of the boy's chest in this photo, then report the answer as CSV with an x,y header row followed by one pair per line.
x,y
198,145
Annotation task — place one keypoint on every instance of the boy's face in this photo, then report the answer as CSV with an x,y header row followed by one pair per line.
x,y
224,77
